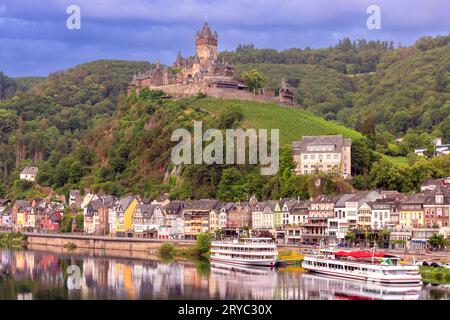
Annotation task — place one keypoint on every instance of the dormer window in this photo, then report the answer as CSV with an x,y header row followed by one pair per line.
x,y
439,198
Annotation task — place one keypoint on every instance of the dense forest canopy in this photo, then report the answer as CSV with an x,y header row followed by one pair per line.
x,y
7,86
362,84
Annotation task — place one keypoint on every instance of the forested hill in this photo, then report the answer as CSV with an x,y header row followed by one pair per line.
x,y
381,91
369,86
7,87
49,118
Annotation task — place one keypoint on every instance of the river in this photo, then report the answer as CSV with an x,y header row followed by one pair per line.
x,y
42,274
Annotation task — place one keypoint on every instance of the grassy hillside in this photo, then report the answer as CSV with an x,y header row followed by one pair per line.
x,y
293,123
319,89
396,90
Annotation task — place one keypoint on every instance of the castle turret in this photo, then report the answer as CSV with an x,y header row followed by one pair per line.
x,y
179,60
206,44
285,95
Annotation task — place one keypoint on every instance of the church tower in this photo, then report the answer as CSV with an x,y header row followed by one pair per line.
x,y
206,45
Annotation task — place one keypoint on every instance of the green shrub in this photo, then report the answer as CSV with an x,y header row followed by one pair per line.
x,y
203,244
167,250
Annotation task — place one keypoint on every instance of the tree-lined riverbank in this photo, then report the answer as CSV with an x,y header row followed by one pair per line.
x,y
13,239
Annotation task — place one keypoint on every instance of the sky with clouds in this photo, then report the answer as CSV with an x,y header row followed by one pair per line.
x,y
35,41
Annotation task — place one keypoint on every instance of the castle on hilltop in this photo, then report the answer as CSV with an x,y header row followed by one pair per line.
x,y
204,73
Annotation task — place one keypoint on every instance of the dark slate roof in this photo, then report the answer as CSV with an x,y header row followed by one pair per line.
x,y
337,140
93,206
29,170
379,204
417,198
147,210
344,199
201,205
326,199
20,204
177,205
126,201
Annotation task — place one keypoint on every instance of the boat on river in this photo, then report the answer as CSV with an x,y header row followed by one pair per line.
x,y
330,287
248,251
370,266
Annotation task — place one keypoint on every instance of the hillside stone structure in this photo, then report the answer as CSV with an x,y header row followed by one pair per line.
x,y
204,73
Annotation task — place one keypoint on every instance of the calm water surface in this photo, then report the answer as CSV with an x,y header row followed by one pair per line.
x,y
41,274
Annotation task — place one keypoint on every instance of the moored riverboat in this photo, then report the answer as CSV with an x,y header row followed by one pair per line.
x,y
363,265
249,251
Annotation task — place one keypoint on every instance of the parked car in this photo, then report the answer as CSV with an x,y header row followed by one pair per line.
x,y
435,265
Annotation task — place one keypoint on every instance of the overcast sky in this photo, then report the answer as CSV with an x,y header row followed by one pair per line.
x,y
34,39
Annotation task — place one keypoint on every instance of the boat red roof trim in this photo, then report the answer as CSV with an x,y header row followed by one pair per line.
x,y
359,254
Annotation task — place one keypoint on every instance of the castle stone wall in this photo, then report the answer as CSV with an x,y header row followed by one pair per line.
x,y
180,91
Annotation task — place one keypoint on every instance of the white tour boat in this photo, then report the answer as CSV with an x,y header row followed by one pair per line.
x,y
363,265
249,251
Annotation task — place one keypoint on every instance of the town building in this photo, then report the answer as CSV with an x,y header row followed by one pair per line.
x,y
420,237
4,204
218,217
29,173
436,207
400,238
90,212
122,215
196,217
316,229
439,149
339,225
298,211
329,154
148,218
411,212
431,184
240,215
6,219
293,234
381,214
262,216
75,199
174,218
51,221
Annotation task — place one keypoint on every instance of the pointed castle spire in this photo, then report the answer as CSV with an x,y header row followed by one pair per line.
x,y
283,85
196,59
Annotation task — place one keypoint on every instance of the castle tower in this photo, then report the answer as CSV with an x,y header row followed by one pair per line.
x,y
206,44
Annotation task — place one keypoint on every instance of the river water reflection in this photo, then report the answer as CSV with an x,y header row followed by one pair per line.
x,y
37,274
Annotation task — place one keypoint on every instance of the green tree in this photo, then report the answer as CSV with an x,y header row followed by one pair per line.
x,y
437,241
254,80
203,244
231,186
362,157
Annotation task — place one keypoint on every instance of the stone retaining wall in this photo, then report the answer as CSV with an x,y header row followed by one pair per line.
x,y
103,243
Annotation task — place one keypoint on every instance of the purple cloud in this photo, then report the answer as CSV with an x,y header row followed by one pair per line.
x,y
35,40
